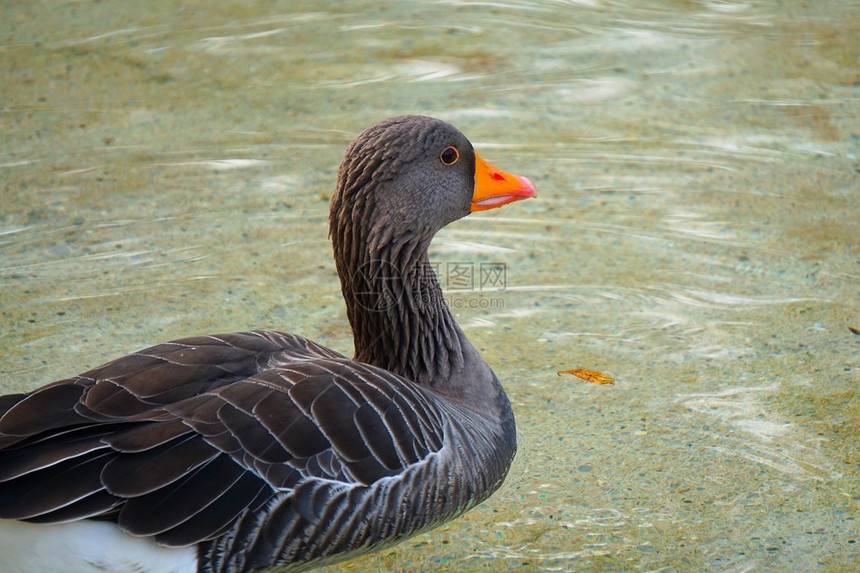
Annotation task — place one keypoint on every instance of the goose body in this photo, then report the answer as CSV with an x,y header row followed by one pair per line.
x,y
236,452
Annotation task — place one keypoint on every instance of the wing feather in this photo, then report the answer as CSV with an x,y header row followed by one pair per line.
x,y
31,495
165,508
137,474
182,441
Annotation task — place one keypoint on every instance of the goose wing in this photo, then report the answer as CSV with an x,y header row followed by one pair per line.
x,y
181,440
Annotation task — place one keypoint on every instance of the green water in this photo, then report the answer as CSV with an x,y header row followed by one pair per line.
x,y
165,169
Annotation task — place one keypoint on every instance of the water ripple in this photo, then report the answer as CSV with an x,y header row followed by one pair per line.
x,y
780,445
723,300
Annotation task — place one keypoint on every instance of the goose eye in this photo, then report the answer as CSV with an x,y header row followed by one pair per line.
x,y
450,155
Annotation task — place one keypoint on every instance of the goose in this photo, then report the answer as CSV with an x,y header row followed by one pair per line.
x,y
241,451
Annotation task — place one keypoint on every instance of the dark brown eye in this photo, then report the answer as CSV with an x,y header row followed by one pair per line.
x,y
450,155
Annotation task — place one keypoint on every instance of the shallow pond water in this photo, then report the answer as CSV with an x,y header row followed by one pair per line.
x,y
165,171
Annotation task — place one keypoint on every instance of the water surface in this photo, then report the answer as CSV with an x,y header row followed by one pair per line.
x,y
166,169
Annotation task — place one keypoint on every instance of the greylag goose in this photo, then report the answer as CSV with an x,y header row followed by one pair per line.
x,y
236,452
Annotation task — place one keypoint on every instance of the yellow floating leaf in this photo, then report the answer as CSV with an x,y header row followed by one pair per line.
x,y
592,376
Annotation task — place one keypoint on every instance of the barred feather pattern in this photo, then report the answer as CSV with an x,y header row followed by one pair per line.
x,y
260,447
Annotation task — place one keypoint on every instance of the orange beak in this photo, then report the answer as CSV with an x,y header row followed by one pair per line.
x,y
494,187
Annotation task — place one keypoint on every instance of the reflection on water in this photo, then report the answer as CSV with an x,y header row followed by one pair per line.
x,y
167,172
